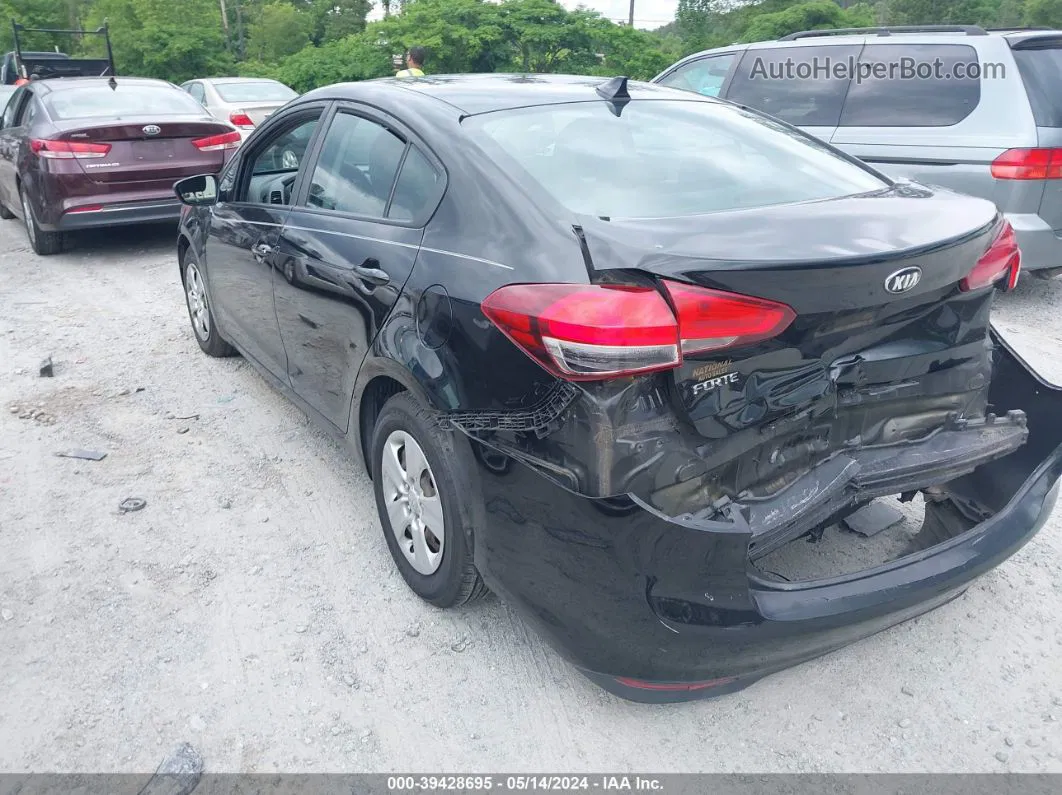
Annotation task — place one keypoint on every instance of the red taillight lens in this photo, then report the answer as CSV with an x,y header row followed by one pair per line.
x,y
67,150
1001,259
710,319
585,332
591,332
214,143
1028,164
241,119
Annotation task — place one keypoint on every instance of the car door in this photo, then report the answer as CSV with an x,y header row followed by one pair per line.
x,y
244,229
799,84
347,249
11,135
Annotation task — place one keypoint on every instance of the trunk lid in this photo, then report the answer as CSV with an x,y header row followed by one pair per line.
x,y
260,111
859,366
137,157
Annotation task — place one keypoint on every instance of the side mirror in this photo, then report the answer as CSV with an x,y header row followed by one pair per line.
x,y
200,191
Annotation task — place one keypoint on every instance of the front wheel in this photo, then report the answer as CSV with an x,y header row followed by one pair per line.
x,y
44,243
415,482
199,311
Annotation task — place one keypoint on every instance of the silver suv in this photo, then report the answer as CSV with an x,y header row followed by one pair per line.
x,y
977,111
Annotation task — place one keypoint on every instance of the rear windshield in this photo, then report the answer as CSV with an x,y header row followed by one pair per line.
x,y
1041,71
96,101
665,158
254,92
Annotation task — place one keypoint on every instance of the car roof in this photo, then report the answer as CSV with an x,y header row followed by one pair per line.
x,y
68,83
483,93
1010,35
220,80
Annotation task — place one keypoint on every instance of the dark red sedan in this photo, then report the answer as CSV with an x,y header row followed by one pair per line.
x,y
77,153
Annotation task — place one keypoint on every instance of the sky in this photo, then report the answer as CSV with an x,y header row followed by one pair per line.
x,y
647,13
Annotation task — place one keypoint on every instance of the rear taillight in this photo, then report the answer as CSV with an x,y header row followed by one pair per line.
x,y
241,119
67,150
214,143
711,319
591,332
1028,164
1002,259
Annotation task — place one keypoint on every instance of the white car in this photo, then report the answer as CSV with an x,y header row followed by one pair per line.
x,y
244,102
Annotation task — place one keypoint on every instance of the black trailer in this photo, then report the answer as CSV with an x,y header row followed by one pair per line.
x,y
22,64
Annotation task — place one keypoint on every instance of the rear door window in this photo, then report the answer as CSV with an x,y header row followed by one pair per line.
x,y
357,167
913,85
799,85
1040,64
704,76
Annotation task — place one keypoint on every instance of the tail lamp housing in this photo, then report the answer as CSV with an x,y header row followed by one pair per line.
x,y
1002,260
587,332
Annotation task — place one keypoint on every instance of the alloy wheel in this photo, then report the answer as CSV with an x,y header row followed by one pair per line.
x,y
27,217
197,305
414,508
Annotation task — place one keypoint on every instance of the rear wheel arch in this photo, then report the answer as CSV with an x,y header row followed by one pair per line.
x,y
370,403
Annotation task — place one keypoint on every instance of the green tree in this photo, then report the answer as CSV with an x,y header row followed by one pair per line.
x,y
279,30
460,35
814,15
152,38
357,57
1043,13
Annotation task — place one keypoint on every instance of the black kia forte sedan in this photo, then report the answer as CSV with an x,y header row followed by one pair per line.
x,y
609,349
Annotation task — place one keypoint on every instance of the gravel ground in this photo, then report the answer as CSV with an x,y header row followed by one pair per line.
x,y
251,607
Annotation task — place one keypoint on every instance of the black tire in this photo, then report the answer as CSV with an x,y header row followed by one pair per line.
x,y
207,335
5,213
456,581
44,243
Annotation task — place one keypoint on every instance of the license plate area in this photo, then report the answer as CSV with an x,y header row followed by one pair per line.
x,y
161,149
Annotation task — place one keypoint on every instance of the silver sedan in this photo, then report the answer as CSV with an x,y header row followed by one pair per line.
x,y
244,102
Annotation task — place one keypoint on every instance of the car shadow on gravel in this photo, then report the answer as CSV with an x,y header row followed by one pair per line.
x,y
123,240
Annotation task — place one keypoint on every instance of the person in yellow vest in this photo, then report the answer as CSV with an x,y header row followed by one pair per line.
x,y
414,63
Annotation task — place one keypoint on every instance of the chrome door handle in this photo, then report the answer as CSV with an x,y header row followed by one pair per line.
x,y
372,274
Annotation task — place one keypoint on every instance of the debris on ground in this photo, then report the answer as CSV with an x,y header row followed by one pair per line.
x,y
6,614
178,774
47,369
131,504
84,455
38,414
872,519
183,429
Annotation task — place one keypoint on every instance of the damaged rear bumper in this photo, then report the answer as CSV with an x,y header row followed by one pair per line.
x,y
658,608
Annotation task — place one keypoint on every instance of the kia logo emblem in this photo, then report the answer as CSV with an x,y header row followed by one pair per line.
x,y
152,129
903,280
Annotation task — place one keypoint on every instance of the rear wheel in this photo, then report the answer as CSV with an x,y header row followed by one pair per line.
x,y
5,213
44,243
199,312
414,478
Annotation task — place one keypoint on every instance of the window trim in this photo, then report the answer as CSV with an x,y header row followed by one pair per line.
x,y
735,55
244,175
404,133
